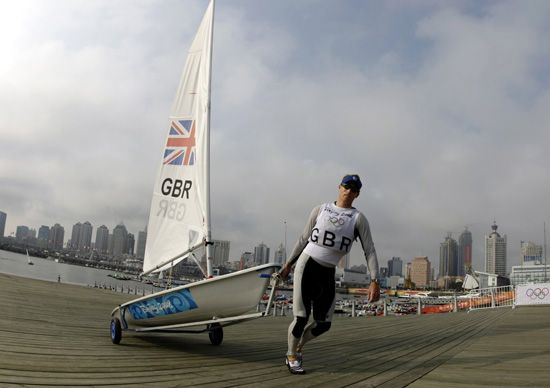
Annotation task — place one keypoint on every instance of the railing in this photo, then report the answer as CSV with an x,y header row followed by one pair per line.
x,y
485,298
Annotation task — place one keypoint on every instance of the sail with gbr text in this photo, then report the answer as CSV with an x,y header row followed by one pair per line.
x,y
179,219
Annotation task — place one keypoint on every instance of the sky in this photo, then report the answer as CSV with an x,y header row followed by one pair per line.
x,y
442,108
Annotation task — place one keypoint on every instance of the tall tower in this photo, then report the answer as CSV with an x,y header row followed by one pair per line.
x,y
448,257
120,236
395,267
102,239
142,241
495,252
3,217
261,254
280,254
464,251
421,271
85,240
57,235
531,253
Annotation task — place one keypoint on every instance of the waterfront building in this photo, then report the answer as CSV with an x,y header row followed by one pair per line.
x,y
448,257
44,233
261,254
85,238
280,255
3,218
21,233
130,243
421,271
119,242
464,252
246,261
350,277
102,239
531,253
495,252
221,252
530,274
75,235
57,236
395,267
141,242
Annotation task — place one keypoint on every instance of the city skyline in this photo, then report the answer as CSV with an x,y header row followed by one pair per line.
x,y
383,262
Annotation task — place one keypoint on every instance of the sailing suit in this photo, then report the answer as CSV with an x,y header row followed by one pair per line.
x,y
327,237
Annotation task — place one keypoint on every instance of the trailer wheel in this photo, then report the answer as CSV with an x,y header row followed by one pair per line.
x,y
216,335
116,331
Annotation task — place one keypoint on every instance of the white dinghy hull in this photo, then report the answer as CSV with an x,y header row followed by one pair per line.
x,y
224,296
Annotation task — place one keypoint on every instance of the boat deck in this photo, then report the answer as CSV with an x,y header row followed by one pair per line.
x,y
55,334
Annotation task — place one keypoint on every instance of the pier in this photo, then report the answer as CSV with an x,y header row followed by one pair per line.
x,y
55,334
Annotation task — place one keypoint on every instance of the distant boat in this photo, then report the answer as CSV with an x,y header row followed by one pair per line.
x,y
29,258
421,295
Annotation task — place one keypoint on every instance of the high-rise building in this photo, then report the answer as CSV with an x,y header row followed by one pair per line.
x,y
395,267
3,218
102,239
120,240
21,233
85,240
261,254
247,260
57,236
495,252
75,235
44,233
280,254
141,242
464,252
421,271
448,257
220,253
531,253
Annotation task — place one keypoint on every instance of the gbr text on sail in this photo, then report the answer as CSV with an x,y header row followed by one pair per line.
x,y
170,207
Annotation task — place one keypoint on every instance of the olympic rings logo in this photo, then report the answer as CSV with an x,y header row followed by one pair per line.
x,y
537,293
335,221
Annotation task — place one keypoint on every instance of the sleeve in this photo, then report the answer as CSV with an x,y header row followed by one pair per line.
x,y
303,240
362,230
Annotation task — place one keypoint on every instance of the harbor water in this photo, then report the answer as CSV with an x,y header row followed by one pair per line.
x,y
47,269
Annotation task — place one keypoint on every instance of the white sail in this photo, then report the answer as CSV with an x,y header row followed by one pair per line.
x,y
180,211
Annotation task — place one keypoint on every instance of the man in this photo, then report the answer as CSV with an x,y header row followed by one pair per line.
x,y
327,237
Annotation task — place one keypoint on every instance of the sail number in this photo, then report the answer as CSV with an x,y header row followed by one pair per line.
x,y
171,210
176,188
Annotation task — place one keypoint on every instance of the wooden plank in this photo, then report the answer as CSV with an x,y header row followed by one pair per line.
x,y
58,334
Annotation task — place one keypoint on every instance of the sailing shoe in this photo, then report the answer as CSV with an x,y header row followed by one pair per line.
x,y
295,367
299,359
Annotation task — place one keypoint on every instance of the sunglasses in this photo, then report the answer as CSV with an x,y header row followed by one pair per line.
x,y
353,188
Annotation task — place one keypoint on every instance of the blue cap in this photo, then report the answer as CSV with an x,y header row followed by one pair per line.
x,y
355,179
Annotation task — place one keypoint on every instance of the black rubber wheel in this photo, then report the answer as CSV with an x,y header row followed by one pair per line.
x,y
216,335
116,331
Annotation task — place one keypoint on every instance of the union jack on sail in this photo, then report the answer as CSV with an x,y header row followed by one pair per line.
x,y
180,146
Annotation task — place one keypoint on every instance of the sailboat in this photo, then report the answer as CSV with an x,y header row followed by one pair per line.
x,y
29,258
179,222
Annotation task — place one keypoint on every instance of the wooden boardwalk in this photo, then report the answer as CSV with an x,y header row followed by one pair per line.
x,y
58,335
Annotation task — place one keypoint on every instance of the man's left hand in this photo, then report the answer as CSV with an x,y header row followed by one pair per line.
x,y
373,294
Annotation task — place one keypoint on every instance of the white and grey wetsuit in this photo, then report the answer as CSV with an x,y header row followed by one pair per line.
x,y
327,237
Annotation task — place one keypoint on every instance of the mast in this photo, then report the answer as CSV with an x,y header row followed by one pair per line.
x,y
208,237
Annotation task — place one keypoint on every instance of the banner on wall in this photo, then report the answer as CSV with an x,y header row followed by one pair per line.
x,y
533,294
